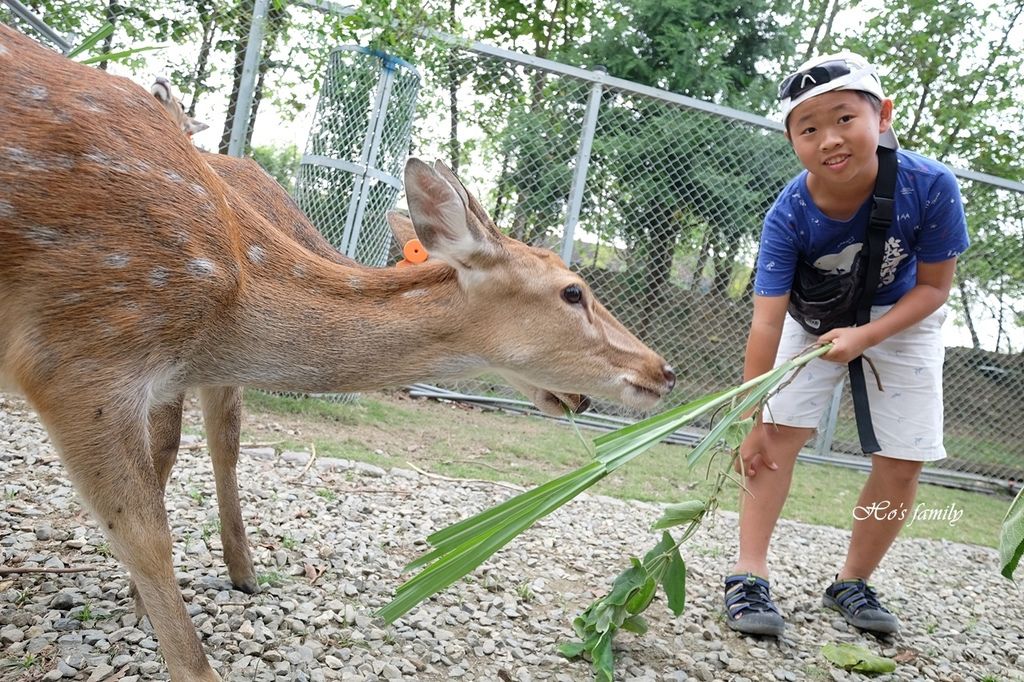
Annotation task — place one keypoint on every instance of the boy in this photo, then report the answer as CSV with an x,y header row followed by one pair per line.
x,y
836,117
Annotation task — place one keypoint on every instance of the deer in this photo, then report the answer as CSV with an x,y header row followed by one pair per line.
x,y
130,272
222,406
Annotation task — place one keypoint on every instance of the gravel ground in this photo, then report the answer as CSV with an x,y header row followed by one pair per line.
x,y
329,542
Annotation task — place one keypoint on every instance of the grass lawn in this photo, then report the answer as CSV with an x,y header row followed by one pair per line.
x,y
390,429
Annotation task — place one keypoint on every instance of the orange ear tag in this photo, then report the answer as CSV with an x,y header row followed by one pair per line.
x,y
414,254
414,251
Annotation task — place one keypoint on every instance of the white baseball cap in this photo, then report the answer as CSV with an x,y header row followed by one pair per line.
x,y
840,71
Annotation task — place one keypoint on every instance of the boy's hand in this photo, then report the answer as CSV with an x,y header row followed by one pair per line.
x,y
753,453
847,343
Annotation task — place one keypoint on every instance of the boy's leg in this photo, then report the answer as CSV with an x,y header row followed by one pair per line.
x,y
761,506
907,417
892,484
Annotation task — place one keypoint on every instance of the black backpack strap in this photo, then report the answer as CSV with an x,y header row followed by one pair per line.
x,y
878,227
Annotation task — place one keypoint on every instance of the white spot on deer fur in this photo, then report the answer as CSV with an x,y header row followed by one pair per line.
x,y
172,176
20,157
97,157
3,51
200,267
415,293
355,283
117,260
299,270
198,189
43,234
37,92
158,277
90,103
256,254
6,210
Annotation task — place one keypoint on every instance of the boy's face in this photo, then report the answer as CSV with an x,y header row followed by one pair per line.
x,y
835,135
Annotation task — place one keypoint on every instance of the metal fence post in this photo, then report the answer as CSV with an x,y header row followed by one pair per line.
x,y
247,86
368,157
579,176
33,20
827,427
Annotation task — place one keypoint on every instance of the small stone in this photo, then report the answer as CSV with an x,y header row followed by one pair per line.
x,y
100,672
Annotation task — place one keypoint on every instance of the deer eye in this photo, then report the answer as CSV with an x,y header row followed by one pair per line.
x,y
572,294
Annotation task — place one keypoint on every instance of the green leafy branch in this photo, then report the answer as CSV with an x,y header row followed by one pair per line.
x,y
634,589
102,33
462,547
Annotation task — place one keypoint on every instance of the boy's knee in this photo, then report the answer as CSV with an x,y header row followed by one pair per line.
x,y
904,471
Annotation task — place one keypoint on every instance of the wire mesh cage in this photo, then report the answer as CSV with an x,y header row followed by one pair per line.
x,y
349,176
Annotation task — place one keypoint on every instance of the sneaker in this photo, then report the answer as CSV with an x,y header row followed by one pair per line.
x,y
858,603
749,607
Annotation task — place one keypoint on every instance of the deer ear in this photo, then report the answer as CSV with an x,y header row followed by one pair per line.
x,y
193,126
439,214
401,227
161,89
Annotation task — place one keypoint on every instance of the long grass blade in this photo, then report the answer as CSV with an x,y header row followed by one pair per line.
x,y
92,40
463,546
508,506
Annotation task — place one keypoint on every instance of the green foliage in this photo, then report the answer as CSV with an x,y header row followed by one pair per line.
x,y
462,547
1011,536
956,75
857,659
280,162
632,592
103,33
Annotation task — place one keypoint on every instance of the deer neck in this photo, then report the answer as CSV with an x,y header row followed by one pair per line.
x,y
304,323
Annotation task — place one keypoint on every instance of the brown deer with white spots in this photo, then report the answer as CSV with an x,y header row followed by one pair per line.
x,y
130,271
222,405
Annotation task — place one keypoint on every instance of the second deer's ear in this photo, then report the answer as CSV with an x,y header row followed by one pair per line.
x,y
401,227
440,217
193,126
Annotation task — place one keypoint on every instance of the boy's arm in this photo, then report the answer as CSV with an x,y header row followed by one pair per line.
x,y
762,346
765,333
934,281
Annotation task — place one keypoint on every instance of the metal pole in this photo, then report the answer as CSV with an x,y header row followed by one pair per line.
x,y
243,107
377,118
827,427
38,24
579,176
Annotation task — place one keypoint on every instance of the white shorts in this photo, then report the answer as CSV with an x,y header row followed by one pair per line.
x,y
907,414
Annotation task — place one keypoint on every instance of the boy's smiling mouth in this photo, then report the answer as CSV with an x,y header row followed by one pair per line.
x,y
836,160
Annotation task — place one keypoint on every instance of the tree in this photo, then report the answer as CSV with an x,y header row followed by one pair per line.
x,y
957,77
678,175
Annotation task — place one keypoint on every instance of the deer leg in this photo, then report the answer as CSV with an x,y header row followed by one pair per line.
x,y
104,449
164,441
222,414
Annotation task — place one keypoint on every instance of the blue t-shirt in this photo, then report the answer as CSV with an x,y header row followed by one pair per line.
x,y
928,225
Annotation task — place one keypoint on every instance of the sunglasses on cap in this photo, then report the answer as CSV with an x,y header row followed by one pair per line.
x,y
802,81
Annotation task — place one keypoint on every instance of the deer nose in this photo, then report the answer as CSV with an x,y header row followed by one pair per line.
x,y
670,376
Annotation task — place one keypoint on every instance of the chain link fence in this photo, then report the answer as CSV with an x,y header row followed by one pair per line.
x,y
667,229
655,198
349,176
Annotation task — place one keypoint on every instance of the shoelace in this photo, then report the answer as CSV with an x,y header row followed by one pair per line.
x,y
748,593
858,596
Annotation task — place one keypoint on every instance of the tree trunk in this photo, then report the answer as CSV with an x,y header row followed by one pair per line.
x,y
660,254
108,43
246,8
207,20
724,267
966,300
275,24
702,260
